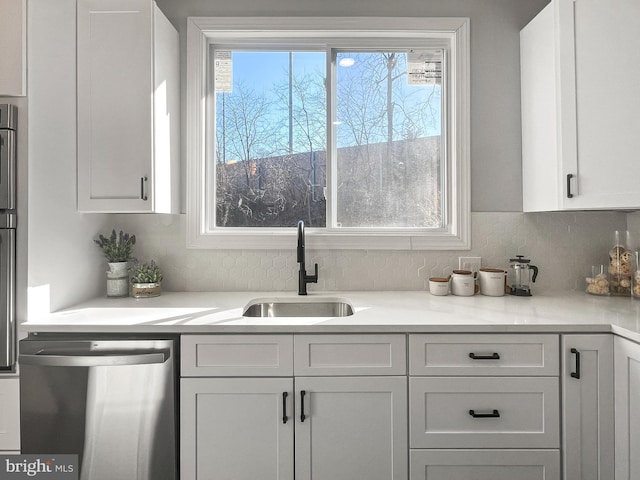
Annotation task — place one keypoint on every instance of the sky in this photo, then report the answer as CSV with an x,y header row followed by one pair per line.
x,y
260,71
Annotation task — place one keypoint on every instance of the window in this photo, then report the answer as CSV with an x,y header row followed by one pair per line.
x,y
357,126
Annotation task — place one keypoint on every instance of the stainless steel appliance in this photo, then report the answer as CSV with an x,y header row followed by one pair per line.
x,y
8,123
110,401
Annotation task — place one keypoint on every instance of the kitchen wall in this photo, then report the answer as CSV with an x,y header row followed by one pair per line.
x,y
563,246
63,264
65,267
495,71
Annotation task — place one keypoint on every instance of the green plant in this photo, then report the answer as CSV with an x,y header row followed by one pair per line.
x,y
147,272
118,247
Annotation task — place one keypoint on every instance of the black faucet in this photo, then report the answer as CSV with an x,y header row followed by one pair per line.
x,y
303,278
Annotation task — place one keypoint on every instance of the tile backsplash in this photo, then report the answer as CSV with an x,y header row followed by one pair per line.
x,y
562,244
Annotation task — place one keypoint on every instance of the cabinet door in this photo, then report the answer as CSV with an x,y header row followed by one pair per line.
x,y
588,407
579,63
236,429
9,414
607,49
351,428
115,78
627,408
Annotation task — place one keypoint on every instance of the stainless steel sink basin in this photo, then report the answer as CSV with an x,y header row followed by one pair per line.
x,y
325,307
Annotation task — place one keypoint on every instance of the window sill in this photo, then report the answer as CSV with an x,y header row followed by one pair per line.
x,y
317,239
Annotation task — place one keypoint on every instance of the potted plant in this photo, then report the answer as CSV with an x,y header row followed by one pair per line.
x,y
118,250
146,280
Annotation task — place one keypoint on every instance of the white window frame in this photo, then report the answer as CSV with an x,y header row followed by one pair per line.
x,y
457,233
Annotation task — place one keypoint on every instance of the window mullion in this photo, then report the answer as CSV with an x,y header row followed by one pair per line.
x,y
332,185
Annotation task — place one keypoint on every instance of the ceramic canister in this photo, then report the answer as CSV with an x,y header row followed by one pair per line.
x,y
463,283
439,285
492,281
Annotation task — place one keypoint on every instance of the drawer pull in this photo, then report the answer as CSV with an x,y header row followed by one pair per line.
x,y
302,415
576,374
494,414
493,356
284,407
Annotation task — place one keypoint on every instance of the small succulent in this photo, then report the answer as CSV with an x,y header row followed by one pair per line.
x,y
118,247
147,272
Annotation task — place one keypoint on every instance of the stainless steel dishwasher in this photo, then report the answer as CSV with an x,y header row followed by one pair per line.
x,y
111,402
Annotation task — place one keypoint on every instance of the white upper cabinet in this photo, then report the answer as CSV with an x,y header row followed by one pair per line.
x,y
128,108
580,61
13,48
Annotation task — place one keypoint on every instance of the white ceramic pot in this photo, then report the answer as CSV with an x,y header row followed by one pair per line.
x,y
463,283
118,279
439,285
492,281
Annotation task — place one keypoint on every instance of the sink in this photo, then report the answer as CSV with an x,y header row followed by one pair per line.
x,y
318,307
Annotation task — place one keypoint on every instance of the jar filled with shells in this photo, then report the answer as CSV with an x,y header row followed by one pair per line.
x,y
598,282
635,276
620,260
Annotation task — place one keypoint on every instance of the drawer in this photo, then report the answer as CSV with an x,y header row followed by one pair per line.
x,y
484,412
236,355
484,464
350,355
492,355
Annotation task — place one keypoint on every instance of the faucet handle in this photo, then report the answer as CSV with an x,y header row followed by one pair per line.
x,y
312,278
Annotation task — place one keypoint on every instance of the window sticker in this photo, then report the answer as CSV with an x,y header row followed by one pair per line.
x,y
222,71
424,67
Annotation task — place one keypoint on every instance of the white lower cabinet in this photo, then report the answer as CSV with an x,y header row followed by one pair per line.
x,y
627,409
236,428
351,428
587,381
346,426
469,420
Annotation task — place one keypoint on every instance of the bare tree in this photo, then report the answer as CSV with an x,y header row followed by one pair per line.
x,y
258,182
271,150
386,120
308,119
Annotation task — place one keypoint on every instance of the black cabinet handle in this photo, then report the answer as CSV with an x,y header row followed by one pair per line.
x,y
493,414
302,415
576,374
493,356
284,407
569,177
143,194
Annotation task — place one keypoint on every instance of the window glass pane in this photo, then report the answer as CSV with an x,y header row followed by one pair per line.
x,y
389,121
270,138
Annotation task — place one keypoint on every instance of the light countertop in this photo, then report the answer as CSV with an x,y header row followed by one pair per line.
x,y
391,311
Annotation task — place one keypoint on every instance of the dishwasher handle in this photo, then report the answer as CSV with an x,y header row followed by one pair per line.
x,y
105,360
